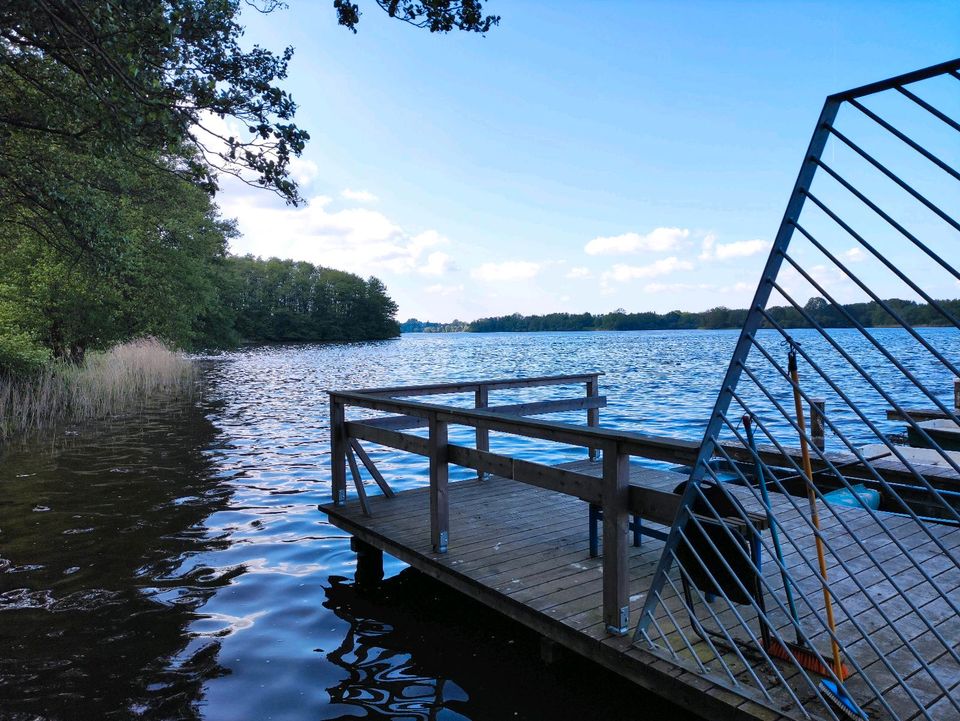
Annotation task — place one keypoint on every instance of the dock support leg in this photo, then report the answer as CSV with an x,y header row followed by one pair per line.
x,y
338,452
818,409
369,563
616,587
549,651
593,414
482,398
439,504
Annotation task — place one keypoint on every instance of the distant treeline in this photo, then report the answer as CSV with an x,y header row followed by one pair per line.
x,y
818,309
418,326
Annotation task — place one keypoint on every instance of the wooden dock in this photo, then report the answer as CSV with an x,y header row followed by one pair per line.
x,y
523,551
518,538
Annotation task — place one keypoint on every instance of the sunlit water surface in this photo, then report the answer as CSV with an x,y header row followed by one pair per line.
x,y
174,564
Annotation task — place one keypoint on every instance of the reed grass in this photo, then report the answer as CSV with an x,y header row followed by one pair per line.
x,y
117,381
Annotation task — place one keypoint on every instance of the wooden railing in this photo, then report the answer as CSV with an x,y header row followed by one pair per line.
x,y
611,491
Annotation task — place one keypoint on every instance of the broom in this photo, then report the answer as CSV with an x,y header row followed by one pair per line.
x,y
806,657
833,690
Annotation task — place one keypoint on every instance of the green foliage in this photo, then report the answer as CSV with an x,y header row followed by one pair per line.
x,y
283,300
152,269
439,16
138,79
20,354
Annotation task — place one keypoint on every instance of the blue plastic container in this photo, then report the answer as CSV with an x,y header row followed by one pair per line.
x,y
858,496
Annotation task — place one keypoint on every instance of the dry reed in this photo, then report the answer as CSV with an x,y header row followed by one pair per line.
x,y
107,383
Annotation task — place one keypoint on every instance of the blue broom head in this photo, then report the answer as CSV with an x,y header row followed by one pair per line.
x,y
841,700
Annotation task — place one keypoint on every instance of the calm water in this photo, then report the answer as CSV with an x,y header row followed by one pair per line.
x,y
174,565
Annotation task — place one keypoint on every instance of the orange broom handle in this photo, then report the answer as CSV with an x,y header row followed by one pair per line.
x,y
814,514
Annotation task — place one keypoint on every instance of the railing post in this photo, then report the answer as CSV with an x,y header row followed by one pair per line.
x,y
818,409
614,499
483,435
593,414
338,451
439,504
956,393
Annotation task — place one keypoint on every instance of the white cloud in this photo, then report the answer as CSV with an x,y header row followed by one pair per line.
x,y
506,271
303,171
360,240
623,273
578,272
657,240
739,249
854,254
428,239
361,196
437,264
444,290
676,287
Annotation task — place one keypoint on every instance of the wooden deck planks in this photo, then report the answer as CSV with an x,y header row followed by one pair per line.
x,y
523,551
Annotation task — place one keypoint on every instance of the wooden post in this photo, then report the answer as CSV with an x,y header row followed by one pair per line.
x,y
615,495
369,563
593,414
818,409
956,393
483,435
439,505
338,452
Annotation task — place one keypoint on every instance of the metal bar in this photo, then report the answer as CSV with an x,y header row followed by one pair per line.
x,y
833,468
930,109
919,476
870,511
879,389
906,139
753,604
863,331
851,617
903,231
727,637
895,82
795,204
852,576
932,207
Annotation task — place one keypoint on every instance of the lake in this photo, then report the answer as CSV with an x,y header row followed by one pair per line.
x,y
174,564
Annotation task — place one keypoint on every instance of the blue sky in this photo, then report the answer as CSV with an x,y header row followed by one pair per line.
x,y
580,157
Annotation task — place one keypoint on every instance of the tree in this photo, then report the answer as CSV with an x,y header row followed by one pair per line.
x,y
155,269
440,16
146,77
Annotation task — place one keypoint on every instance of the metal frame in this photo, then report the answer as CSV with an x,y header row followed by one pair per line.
x,y
767,405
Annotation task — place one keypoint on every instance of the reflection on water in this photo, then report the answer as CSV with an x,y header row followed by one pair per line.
x,y
97,593
174,565
417,650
